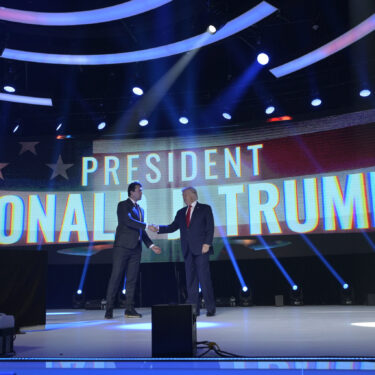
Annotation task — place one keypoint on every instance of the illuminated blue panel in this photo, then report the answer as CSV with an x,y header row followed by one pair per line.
x,y
26,99
234,26
63,313
116,12
343,41
148,326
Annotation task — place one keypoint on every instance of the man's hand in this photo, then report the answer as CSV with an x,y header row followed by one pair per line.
x,y
154,228
205,248
156,249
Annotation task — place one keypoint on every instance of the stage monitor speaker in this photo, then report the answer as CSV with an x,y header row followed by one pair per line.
x,y
371,299
279,300
23,275
174,331
7,333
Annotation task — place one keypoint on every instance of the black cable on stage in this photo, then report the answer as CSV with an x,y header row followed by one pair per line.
x,y
213,346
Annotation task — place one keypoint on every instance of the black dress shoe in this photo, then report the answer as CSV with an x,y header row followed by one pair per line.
x,y
131,313
210,313
108,314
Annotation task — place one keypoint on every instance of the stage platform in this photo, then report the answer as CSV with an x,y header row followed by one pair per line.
x,y
309,332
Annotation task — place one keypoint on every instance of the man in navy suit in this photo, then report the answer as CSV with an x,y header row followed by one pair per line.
x,y
196,225
127,250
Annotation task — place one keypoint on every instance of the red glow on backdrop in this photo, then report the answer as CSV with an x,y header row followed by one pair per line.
x,y
282,118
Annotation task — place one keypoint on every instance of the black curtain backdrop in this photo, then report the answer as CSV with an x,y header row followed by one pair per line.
x,y
161,283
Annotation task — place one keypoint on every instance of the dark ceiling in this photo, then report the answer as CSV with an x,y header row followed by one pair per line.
x,y
212,81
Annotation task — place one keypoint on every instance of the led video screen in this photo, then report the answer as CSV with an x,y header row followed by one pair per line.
x,y
302,178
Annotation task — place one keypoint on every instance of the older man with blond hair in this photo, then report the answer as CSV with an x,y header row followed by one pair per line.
x,y
196,225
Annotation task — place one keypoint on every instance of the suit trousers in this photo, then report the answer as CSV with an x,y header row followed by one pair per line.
x,y
197,269
128,261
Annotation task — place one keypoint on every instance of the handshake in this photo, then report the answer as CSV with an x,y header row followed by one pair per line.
x,y
153,228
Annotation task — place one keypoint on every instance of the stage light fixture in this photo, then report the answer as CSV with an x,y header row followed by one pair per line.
x,y
137,91
263,58
245,289
63,136
365,93
15,129
78,299
227,115
59,125
316,102
102,125
121,298
217,16
9,88
347,295
222,302
143,122
242,22
296,296
211,29
183,120
245,298
345,286
270,109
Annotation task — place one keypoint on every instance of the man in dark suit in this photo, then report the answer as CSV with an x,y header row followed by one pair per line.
x,y
127,250
196,225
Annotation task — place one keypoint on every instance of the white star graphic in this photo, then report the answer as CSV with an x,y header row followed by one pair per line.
x,y
59,168
2,165
28,146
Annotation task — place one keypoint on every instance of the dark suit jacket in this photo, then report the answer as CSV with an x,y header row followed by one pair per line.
x,y
130,228
200,231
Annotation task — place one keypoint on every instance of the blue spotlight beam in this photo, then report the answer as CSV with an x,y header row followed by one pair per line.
x,y
324,260
235,91
368,239
124,286
234,262
245,20
227,245
343,41
26,99
278,264
112,13
83,276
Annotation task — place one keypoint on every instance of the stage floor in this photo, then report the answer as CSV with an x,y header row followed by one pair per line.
x,y
303,331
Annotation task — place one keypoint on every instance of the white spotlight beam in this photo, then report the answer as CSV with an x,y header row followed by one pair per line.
x,y
343,41
112,13
26,99
242,22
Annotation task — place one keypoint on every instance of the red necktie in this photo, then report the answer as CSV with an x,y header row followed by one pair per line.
x,y
188,216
